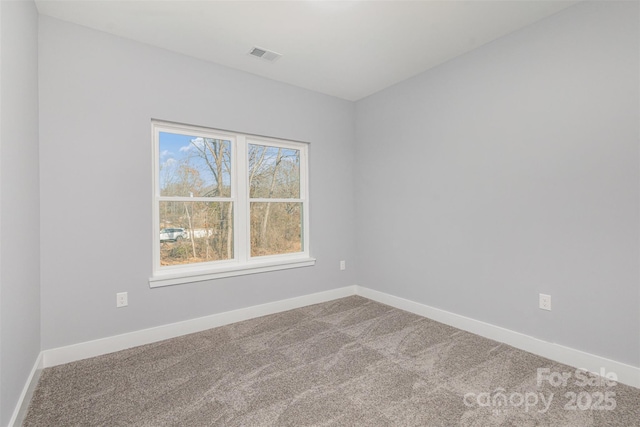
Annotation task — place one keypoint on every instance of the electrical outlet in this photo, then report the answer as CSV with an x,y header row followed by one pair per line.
x,y
545,302
343,265
122,299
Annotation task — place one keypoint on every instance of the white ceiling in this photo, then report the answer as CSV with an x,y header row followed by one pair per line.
x,y
347,49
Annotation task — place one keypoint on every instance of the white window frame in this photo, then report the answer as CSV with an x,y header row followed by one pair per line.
x,y
243,262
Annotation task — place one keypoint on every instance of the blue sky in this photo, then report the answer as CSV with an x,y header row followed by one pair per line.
x,y
170,145
175,149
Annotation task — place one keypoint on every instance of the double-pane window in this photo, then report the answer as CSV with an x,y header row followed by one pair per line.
x,y
226,204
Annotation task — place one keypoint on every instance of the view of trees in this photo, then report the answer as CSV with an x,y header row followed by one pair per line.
x,y
197,177
274,173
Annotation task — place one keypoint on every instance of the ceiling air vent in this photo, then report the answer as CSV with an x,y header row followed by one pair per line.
x,y
267,55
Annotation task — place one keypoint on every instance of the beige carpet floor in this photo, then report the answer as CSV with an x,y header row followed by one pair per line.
x,y
349,362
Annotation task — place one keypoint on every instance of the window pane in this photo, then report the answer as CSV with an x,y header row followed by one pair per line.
x,y
274,172
192,232
276,228
193,166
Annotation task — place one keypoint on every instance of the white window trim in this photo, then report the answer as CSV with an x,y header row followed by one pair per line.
x,y
242,263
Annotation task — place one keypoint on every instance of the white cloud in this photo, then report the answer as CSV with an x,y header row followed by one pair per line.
x,y
197,142
169,162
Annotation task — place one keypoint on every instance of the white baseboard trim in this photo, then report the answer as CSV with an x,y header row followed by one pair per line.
x,y
20,410
72,353
626,374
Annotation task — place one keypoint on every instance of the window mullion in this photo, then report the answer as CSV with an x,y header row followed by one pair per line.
x,y
241,196
194,199
304,196
274,200
155,143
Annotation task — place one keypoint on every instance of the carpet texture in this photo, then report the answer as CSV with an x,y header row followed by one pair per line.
x,y
348,362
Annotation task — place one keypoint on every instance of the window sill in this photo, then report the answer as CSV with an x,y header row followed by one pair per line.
x,y
174,278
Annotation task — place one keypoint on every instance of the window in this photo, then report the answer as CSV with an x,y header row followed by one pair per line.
x,y
226,204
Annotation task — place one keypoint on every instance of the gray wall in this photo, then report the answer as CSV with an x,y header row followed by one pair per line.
x,y
19,206
510,171
98,94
